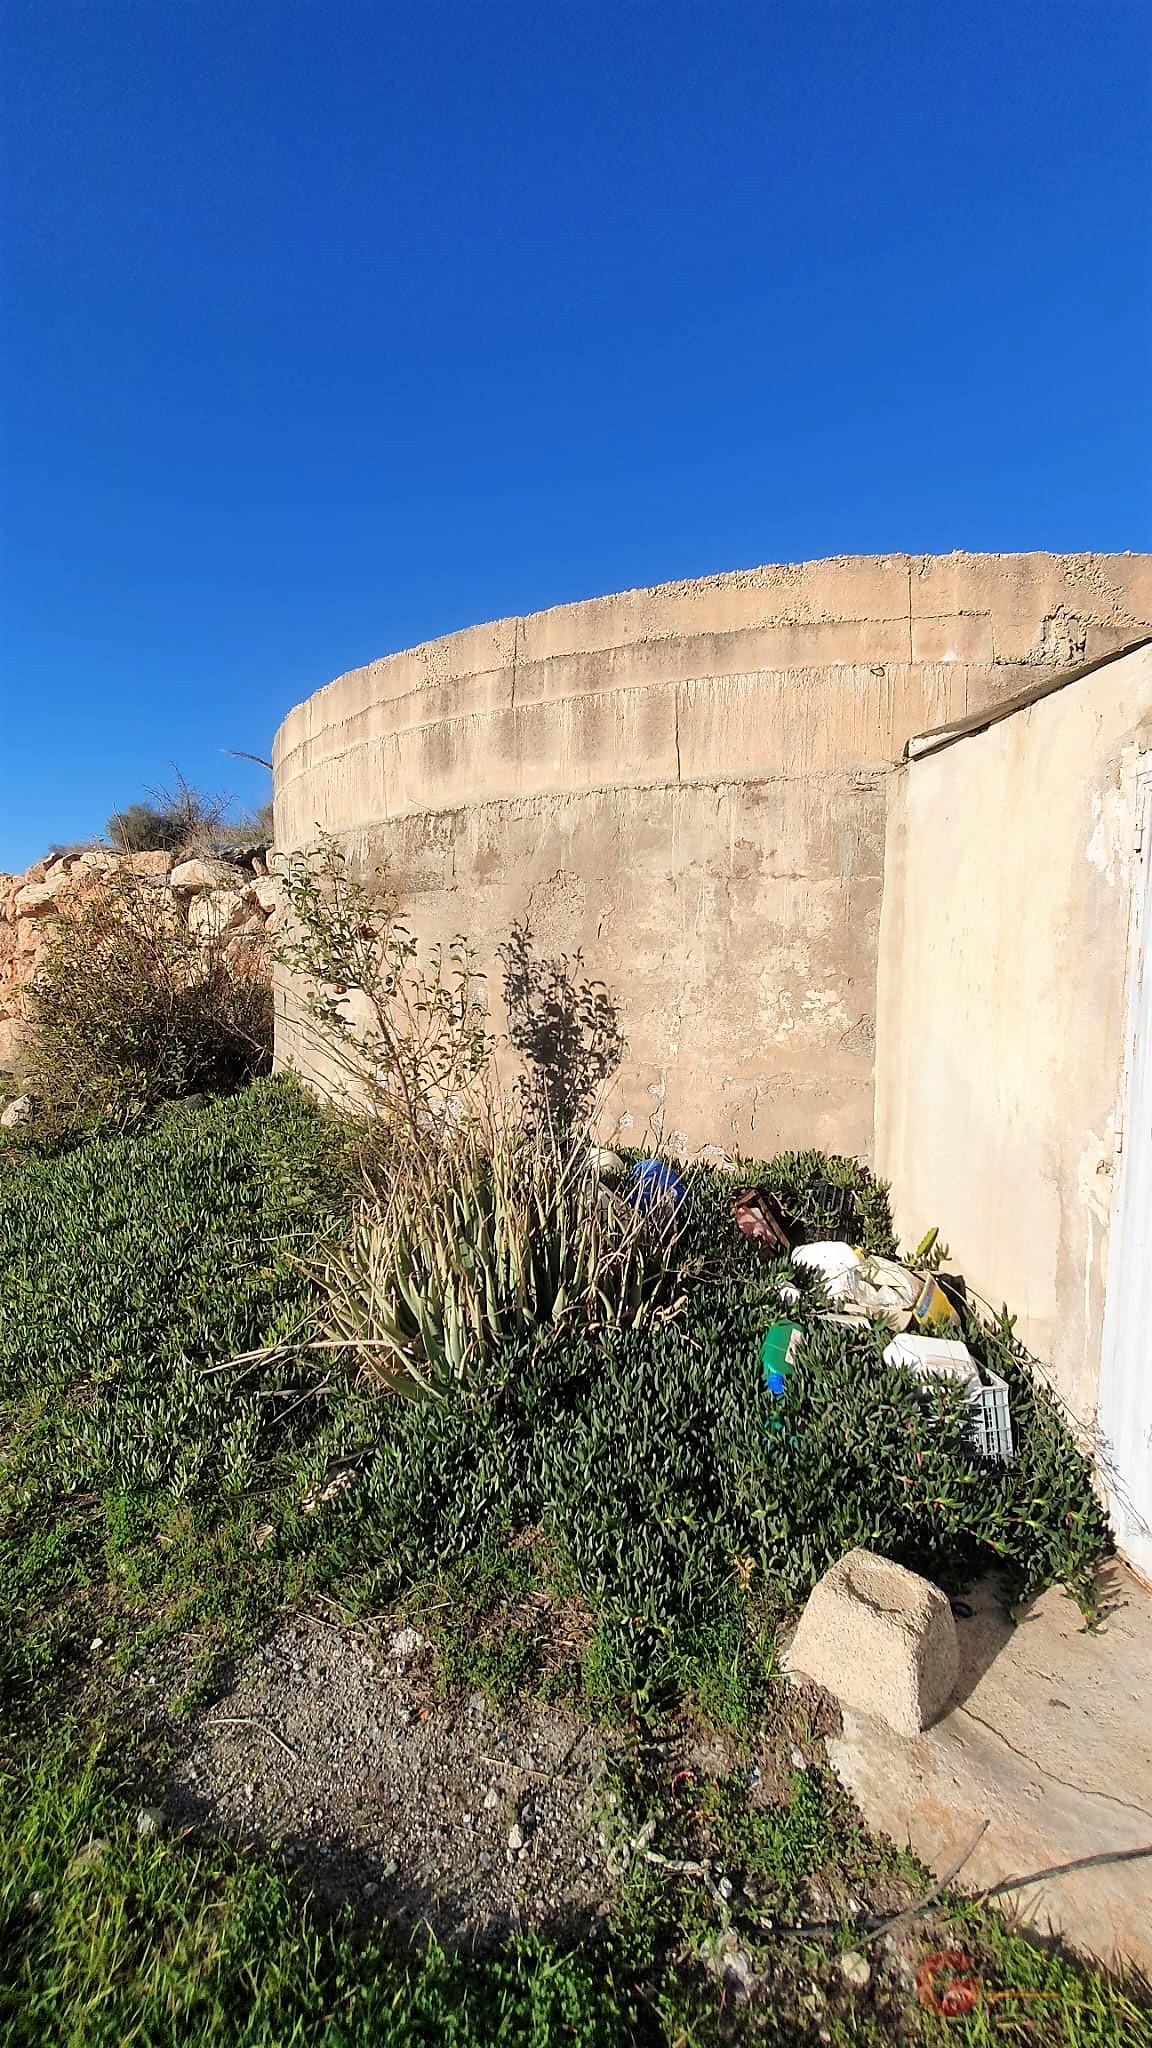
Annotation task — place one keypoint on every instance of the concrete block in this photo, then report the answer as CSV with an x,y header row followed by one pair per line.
x,y
576,744
880,1639
852,588
924,694
712,761
1050,1741
668,657
786,722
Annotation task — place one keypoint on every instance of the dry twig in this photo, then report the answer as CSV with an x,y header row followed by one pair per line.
x,y
251,1721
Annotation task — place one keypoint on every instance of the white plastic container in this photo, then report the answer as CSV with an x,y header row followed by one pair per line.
x,y
988,1428
934,1358
835,1263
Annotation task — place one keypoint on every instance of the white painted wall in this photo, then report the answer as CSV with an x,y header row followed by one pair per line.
x,y
1126,1378
1001,1003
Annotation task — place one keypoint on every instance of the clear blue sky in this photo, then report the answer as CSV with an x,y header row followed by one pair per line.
x,y
333,326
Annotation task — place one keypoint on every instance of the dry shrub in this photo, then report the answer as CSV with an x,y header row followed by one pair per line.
x,y
184,821
131,1009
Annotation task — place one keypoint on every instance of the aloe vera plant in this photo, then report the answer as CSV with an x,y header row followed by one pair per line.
x,y
502,1236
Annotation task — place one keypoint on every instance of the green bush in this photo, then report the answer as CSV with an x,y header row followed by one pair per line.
x,y
646,1459
144,1493
829,1196
126,1267
403,1031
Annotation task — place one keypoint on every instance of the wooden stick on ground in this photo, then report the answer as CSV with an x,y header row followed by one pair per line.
x,y
251,1721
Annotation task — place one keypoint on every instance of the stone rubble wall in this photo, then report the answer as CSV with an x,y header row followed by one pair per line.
x,y
235,899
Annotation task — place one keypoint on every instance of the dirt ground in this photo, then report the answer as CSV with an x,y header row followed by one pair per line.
x,y
445,1815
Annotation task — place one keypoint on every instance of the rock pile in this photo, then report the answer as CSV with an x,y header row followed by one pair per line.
x,y
230,895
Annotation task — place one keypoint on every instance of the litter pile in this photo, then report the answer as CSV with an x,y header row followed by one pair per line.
x,y
921,1309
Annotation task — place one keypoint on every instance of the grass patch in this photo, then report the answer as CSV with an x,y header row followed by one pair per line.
x,y
111,1940
148,1493
605,1519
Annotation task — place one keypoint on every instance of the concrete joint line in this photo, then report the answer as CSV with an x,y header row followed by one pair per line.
x,y
1069,1784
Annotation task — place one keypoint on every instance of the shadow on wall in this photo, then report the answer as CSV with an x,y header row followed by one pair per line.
x,y
565,1027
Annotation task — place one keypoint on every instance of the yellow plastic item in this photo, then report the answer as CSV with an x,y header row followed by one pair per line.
x,y
933,1310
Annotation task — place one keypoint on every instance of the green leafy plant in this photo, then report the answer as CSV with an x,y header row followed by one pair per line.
x,y
834,1197
828,1196
402,1034
930,1254
509,1234
153,1499
130,1270
107,1939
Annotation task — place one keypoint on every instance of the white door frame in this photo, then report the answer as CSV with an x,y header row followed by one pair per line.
x,y
1126,1350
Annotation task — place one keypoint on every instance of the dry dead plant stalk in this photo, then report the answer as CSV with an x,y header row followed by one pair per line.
x,y
130,1008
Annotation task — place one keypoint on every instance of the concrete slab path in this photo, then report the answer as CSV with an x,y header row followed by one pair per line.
x,y
1049,1739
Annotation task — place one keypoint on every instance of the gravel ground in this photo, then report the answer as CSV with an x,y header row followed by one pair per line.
x,y
451,1816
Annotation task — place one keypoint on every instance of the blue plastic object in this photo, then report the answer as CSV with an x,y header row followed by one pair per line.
x,y
653,1184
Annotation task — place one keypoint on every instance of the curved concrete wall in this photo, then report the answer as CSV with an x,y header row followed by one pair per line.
x,y
689,785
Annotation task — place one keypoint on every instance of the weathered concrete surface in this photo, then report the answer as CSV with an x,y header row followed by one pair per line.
x,y
880,1639
1001,1000
707,912
1050,1741
689,784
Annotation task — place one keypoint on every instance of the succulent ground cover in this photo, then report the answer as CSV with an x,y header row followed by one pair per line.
x,y
599,1523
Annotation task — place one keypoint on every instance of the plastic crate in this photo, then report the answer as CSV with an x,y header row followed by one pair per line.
x,y
990,1421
